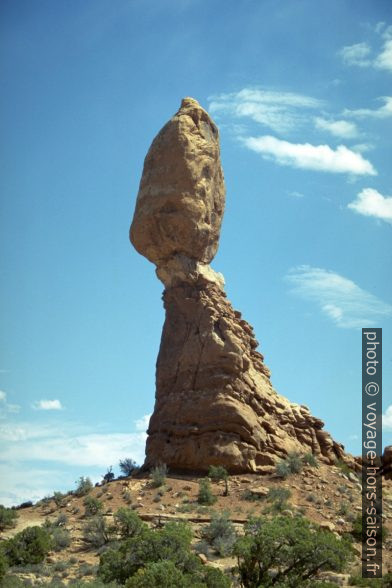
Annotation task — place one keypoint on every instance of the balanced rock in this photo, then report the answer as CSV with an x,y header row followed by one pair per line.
x,y
215,404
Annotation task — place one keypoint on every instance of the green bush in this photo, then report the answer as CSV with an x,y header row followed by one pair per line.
x,y
293,464
128,466
279,498
30,546
218,473
220,534
282,469
8,518
61,538
84,485
172,542
92,506
3,565
311,460
97,532
158,475
292,547
58,498
128,523
161,574
205,495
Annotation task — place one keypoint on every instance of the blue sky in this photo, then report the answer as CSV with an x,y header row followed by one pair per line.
x,y
302,94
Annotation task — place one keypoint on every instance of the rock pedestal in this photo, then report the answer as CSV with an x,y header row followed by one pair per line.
x,y
215,404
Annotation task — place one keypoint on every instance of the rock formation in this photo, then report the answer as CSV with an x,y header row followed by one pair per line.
x,y
214,400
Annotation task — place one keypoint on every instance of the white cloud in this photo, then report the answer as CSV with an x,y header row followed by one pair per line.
x,y
357,54
5,407
279,111
313,157
369,202
142,424
384,60
48,405
387,419
384,111
296,194
35,456
338,128
338,298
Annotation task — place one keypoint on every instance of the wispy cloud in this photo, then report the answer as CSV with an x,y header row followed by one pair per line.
x,y
48,405
384,59
369,202
360,54
339,298
279,111
338,128
50,453
312,157
384,111
6,407
357,54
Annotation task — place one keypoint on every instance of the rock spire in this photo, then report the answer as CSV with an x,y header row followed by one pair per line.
x,y
215,404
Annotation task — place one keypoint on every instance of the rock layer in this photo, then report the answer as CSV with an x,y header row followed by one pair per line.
x,y
215,404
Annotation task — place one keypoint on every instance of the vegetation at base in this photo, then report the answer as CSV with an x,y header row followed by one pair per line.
x,y
278,497
293,547
84,485
131,562
158,475
3,565
344,468
8,517
30,546
97,532
293,464
217,473
128,466
92,506
58,498
128,523
310,460
220,534
384,582
205,495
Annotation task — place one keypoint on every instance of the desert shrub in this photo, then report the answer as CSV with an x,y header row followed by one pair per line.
x,y
344,509
170,543
218,473
220,534
158,475
11,581
205,495
128,523
292,547
61,538
282,469
161,574
92,506
133,561
3,565
344,468
278,497
30,546
128,466
109,476
97,532
310,460
8,517
58,498
84,485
